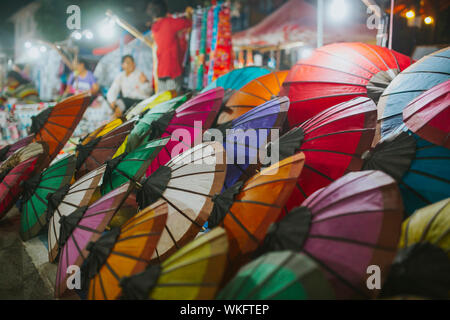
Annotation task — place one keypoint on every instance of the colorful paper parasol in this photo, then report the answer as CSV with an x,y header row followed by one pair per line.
x,y
339,72
187,183
421,168
236,79
147,127
10,183
247,135
247,217
101,149
65,201
193,272
35,191
9,149
428,114
333,142
254,93
150,103
426,73
422,266
131,166
429,224
83,226
123,252
282,275
346,227
187,126
34,149
55,125
102,130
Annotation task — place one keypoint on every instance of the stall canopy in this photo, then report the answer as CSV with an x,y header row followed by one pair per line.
x,y
295,21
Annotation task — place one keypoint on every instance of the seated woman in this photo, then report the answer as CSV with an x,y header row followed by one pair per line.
x,y
19,89
80,80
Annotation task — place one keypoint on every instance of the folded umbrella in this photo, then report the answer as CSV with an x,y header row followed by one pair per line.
x,y
333,142
65,201
186,127
192,273
421,168
428,114
123,252
85,225
254,93
187,183
426,73
101,149
422,266
150,103
249,209
338,72
147,127
282,275
346,227
56,125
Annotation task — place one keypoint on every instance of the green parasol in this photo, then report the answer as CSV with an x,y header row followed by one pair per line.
x,y
279,275
144,128
34,201
130,166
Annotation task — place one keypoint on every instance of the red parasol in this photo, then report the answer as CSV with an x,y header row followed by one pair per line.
x,y
333,142
428,115
339,72
56,125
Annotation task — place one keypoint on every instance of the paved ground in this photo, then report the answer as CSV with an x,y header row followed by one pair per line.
x,y
25,272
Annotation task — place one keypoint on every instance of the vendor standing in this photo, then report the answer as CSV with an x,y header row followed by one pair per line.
x,y
129,87
169,35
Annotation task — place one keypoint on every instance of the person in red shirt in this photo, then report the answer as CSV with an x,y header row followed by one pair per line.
x,y
169,35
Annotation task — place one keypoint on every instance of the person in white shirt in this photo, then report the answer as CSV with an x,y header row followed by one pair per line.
x,y
128,88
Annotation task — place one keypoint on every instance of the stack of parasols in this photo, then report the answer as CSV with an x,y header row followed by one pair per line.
x,y
327,181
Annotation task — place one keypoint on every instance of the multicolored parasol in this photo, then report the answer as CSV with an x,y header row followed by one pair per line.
x,y
34,201
421,168
11,183
422,265
428,114
254,93
147,127
123,252
282,275
247,216
333,142
101,149
187,126
193,272
187,183
65,201
346,227
339,72
55,125
246,136
426,73
82,227
150,103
